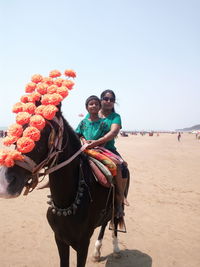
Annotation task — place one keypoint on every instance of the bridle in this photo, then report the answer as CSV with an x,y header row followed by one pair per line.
x,y
56,147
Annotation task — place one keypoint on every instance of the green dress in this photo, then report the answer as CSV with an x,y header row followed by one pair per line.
x,y
95,132
113,118
92,130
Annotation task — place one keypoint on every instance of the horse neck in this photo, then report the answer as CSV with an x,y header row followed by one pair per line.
x,y
64,182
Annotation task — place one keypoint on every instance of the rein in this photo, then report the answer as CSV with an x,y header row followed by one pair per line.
x,y
64,163
55,143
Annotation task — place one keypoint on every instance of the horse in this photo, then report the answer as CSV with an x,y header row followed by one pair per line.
x,y
78,203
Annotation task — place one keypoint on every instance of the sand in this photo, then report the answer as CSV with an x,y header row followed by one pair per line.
x,y
163,219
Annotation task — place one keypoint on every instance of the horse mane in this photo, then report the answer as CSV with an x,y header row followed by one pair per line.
x,y
71,134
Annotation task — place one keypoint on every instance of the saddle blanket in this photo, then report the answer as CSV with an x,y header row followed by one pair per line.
x,y
104,164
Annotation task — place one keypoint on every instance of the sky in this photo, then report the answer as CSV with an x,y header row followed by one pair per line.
x,y
147,52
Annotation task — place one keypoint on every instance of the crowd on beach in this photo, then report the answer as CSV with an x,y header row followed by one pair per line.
x,y
152,133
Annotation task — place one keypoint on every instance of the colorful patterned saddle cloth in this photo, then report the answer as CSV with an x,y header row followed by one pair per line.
x,y
104,164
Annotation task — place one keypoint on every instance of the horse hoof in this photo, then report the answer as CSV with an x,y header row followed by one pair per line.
x,y
95,258
117,255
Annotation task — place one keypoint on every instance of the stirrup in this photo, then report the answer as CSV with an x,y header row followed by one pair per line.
x,y
122,226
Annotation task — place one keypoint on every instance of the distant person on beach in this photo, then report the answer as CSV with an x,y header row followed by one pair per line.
x,y
113,120
179,136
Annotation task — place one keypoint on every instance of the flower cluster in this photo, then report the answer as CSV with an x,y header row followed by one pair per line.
x,y
39,104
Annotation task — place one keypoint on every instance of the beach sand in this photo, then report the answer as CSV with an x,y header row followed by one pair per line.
x,y
163,219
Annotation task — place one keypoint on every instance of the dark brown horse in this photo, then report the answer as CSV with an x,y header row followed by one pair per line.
x,y
78,203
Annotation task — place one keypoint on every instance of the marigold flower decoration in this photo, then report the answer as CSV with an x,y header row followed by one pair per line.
x,y
39,104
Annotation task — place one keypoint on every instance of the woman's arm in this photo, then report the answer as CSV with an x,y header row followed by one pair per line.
x,y
114,130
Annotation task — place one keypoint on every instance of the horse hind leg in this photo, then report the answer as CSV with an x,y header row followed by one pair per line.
x,y
116,249
98,244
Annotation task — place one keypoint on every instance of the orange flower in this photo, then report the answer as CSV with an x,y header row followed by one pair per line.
x,y
51,99
25,144
24,99
23,118
18,107
48,80
69,84
52,89
42,88
50,92
16,155
59,82
36,78
30,87
37,121
34,97
7,158
49,112
54,74
9,162
29,107
9,140
32,133
39,110
70,73
3,155
15,130
63,91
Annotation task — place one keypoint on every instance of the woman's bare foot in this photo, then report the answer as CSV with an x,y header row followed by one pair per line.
x,y
126,202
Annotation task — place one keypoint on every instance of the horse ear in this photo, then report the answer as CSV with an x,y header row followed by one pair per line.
x,y
59,112
38,103
59,106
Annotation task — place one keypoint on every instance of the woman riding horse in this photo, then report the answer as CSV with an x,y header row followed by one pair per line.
x,y
113,120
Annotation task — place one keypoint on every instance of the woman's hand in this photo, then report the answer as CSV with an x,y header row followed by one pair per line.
x,y
83,140
92,143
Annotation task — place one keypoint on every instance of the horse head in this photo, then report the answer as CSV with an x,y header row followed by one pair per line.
x,y
26,173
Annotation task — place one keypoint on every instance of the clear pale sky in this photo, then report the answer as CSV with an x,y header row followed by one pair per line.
x,y
148,52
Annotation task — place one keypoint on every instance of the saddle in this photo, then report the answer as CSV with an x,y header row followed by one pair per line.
x,y
103,164
104,167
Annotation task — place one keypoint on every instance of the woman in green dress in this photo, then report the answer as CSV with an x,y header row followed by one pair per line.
x,y
113,121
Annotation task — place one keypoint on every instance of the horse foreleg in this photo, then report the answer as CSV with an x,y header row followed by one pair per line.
x,y
82,252
63,250
98,244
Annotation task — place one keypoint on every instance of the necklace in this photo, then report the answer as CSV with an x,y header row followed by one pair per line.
x,y
71,210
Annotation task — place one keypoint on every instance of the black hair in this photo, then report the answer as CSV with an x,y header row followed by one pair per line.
x,y
108,91
92,97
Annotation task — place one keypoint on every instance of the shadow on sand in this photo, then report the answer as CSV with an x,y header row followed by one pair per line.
x,y
128,258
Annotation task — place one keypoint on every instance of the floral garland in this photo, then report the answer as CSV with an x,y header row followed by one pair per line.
x,y
50,91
